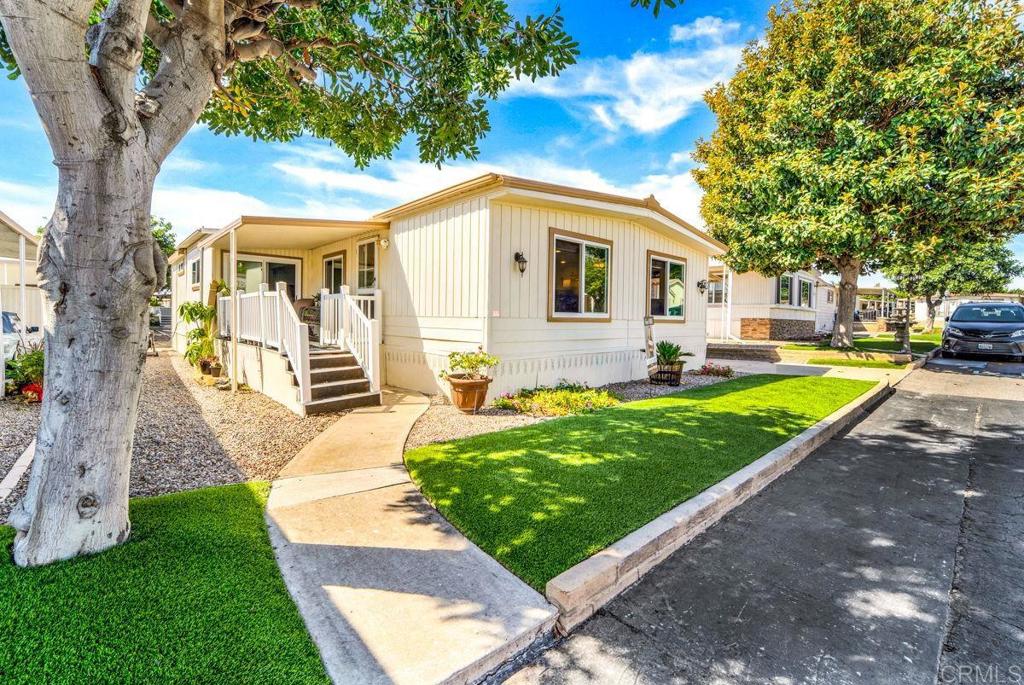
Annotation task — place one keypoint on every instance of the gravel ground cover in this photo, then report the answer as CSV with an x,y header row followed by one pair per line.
x,y
188,435
443,422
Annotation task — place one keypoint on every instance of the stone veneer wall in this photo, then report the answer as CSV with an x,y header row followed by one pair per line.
x,y
776,329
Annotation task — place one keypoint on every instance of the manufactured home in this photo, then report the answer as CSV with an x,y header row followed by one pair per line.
x,y
749,306
556,281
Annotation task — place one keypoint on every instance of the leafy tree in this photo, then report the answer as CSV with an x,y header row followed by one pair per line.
x,y
118,83
163,234
858,132
970,269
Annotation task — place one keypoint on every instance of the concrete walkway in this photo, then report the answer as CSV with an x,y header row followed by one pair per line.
x,y
389,590
891,555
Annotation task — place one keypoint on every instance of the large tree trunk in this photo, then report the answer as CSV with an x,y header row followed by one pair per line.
x,y
98,266
842,334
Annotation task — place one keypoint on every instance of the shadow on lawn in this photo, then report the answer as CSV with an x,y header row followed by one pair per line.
x,y
544,497
838,572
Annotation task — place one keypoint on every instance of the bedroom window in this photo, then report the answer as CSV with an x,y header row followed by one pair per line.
x,y
830,296
195,272
666,286
784,291
806,294
366,267
716,291
580,277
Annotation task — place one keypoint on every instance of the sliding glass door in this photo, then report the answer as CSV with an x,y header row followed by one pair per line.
x,y
255,269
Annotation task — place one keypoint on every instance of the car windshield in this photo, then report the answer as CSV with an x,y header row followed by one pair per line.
x,y
977,313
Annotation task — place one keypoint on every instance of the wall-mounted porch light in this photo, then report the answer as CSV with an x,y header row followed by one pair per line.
x,y
702,286
521,262
385,243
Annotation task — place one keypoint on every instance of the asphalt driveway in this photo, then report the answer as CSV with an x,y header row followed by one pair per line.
x,y
894,554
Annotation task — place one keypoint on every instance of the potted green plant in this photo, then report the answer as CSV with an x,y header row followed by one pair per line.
x,y
670,363
199,341
467,379
215,367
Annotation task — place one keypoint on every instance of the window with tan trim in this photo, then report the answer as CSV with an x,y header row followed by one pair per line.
x,y
666,286
579,277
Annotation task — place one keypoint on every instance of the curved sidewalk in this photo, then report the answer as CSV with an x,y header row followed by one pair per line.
x,y
389,590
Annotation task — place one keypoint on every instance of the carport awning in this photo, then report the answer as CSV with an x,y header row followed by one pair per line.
x,y
283,233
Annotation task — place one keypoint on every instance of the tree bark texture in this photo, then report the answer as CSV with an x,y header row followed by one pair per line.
x,y
929,325
842,334
98,261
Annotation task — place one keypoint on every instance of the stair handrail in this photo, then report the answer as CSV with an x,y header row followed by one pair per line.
x,y
294,337
361,335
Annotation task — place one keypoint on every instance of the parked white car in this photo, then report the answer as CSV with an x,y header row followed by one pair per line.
x,y
15,335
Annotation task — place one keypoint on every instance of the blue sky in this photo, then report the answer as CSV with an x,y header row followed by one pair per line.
x,y
624,119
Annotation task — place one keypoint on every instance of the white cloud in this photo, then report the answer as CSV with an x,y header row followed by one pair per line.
x,y
678,159
714,28
29,205
646,92
182,161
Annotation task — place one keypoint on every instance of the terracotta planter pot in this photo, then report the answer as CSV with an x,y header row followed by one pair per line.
x,y
468,394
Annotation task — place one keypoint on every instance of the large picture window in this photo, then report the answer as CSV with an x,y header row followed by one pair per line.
x,y
580,277
666,286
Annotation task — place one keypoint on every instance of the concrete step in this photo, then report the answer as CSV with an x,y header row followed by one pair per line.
x,y
335,373
760,353
320,391
351,401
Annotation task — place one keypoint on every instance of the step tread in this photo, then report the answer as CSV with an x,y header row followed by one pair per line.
x,y
345,381
331,369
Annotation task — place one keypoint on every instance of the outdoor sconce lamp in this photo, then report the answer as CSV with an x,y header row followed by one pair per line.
x,y
385,243
702,286
521,262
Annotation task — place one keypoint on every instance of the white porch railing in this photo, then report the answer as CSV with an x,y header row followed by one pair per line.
x,y
351,322
348,322
294,341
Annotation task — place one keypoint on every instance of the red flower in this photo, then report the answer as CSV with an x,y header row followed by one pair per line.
x,y
33,392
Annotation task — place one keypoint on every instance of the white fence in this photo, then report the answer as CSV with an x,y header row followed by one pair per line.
x,y
348,322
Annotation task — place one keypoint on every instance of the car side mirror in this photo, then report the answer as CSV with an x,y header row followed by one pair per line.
x,y
32,329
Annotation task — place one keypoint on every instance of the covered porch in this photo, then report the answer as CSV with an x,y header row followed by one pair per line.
x,y
306,292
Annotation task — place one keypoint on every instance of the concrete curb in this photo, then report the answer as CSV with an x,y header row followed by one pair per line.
x,y
583,589
21,465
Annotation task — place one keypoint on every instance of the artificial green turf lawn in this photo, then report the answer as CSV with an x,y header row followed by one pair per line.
x,y
919,344
542,498
858,363
193,596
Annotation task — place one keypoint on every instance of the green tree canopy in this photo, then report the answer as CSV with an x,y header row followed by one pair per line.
x,y
858,132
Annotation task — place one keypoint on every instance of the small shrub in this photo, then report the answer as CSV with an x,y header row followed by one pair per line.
x,y
27,367
561,400
470,363
710,369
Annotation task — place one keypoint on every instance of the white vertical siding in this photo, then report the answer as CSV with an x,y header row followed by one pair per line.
x,y
535,351
434,287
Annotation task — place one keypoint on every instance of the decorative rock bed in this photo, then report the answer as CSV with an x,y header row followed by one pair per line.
x,y
188,435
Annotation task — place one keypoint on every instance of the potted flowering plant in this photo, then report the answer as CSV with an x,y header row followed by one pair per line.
x,y
467,379
670,363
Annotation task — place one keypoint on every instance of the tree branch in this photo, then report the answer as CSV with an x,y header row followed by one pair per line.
x,y
157,31
116,55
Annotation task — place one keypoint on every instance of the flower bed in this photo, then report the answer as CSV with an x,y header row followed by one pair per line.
x,y
562,400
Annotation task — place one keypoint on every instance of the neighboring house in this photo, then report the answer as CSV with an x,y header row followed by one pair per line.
x,y
555,281
18,290
793,306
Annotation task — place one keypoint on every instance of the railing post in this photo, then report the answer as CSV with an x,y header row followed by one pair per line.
x,y
373,363
346,318
282,288
324,314
302,361
263,316
378,313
